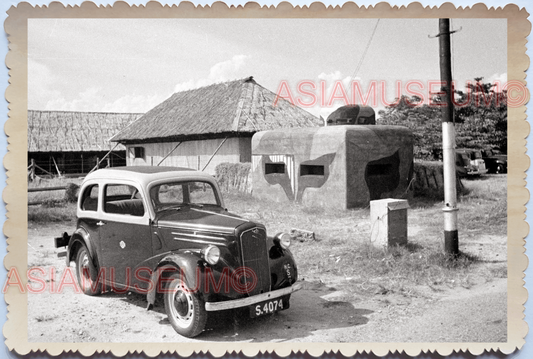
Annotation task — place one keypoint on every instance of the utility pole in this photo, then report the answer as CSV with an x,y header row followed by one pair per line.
x,y
451,235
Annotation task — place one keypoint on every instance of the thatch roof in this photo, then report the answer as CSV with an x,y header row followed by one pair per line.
x,y
66,131
235,107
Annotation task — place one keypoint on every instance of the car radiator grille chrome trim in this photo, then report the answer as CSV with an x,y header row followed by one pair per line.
x,y
239,303
255,258
198,238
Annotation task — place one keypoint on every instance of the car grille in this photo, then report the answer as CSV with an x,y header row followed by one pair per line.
x,y
255,258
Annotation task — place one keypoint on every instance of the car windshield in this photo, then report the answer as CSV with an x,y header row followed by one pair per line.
x,y
177,195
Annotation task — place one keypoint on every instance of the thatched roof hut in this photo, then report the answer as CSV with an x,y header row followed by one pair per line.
x,y
235,108
68,131
74,142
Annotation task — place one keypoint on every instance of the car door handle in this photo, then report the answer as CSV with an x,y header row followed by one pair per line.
x,y
100,223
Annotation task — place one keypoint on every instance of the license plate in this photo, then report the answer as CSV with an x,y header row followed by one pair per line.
x,y
268,307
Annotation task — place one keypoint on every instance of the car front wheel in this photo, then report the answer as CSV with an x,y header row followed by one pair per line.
x,y
186,311
83,273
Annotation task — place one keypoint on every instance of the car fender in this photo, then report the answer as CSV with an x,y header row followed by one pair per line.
x,y
82,237
282,264
187,263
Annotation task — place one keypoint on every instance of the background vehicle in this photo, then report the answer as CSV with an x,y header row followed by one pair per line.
x,y
165,230
495,161
477,164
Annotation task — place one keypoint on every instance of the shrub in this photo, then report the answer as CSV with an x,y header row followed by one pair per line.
x,y
234,176
429,180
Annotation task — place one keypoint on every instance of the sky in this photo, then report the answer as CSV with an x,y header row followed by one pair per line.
x,y
131,65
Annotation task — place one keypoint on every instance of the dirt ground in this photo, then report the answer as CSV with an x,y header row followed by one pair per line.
x,y
326,310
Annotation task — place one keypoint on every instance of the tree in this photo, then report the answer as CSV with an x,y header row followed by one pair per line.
x,y
480,115
483,119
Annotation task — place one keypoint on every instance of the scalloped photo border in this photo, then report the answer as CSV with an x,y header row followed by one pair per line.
x,y
15,194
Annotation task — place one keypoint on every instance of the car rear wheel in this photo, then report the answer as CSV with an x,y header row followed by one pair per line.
x,y
185,309
83,273
500,169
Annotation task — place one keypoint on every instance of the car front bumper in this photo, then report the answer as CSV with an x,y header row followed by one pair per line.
x,y
244,302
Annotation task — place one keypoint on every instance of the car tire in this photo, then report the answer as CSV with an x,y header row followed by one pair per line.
x,y
500,169
83,273
185,309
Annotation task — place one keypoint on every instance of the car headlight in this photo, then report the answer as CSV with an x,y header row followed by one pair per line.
x,y
283,239
211,254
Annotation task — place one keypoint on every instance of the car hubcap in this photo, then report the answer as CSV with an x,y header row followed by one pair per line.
x,y
84,270
183,307
181,303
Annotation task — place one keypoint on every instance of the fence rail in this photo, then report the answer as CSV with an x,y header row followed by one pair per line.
x,y
44,189
69,196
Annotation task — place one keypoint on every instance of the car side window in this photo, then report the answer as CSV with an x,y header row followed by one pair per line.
x,y
89,201
123,199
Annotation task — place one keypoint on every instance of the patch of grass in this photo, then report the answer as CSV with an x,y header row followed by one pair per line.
x,y
485,204
52,212
50,196
407,265
53,208
343,247
498,272
490,188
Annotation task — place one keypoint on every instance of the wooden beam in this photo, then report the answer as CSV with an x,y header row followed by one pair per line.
x,y
55,164
168,154
103,158
213,155
42,169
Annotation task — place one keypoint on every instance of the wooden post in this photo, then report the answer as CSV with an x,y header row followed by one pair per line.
x,y
32,169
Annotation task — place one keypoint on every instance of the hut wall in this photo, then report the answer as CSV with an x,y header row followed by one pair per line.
x,y
192,154
337,167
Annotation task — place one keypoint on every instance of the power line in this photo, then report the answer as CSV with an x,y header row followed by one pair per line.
x,y
364,52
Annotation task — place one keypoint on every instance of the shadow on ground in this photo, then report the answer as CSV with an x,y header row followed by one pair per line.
x,y
308,313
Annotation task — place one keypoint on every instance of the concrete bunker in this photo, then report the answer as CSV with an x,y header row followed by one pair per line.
x,y
340,166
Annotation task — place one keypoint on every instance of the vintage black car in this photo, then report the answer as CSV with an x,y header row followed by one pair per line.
x,y
166,230
495,161
469,162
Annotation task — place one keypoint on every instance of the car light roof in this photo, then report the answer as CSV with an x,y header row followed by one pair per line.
x,y
147,174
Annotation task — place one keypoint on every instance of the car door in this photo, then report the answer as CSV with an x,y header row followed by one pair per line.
x,y
88,215
125,238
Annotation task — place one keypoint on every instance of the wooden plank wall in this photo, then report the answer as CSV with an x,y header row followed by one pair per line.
x,y
193,154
